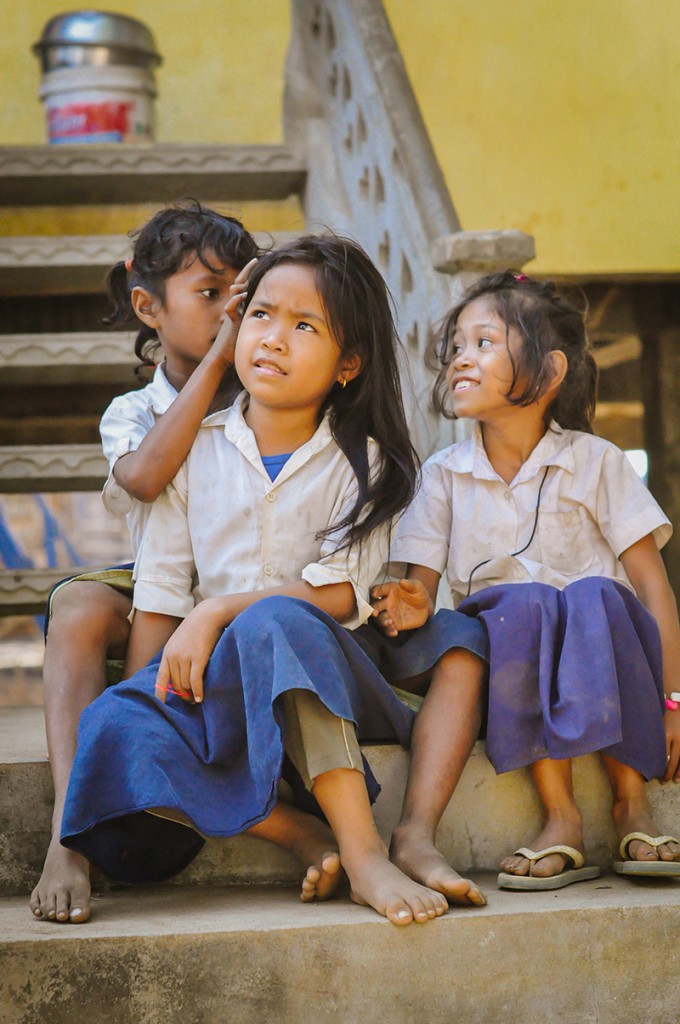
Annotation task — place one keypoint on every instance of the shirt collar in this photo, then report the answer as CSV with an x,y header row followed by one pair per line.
x,y
161,392
239,433
554,449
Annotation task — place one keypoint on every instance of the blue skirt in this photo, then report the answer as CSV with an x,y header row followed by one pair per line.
x,y
218,762
571,672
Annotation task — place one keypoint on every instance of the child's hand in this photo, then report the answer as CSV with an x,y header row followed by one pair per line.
x,y
225,342
402,605
186,654
671,722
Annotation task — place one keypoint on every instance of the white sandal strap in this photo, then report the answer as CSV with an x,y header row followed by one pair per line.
x,y
654,841
533,856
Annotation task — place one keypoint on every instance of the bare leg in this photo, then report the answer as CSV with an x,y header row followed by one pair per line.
x,y
444,733
311,841
303,835
562,819
631,812
89,619
374,881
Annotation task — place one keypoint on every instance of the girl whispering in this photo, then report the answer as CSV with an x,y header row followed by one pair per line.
x,y
182,272
257,564
548,537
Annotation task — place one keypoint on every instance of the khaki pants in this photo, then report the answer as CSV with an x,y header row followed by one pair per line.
x,y
316,740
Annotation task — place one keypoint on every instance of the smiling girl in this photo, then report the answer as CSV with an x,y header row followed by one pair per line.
x,y
549,538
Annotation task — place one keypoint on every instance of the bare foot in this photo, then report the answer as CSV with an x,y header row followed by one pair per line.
x,y
629,818
63,892
565,831
315,847
311,841
415,854
377,883
322,878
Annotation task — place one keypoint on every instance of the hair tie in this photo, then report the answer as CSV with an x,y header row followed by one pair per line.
x,y
128,264
520,277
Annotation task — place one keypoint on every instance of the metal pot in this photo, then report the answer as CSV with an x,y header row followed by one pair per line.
x,y
95,39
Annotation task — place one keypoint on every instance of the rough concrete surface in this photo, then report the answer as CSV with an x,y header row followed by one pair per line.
x,y
586,954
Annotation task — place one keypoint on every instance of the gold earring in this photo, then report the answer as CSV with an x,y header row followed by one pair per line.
x,y
344,382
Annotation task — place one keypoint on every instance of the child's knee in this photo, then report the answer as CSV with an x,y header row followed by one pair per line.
x,y
88,606
460,665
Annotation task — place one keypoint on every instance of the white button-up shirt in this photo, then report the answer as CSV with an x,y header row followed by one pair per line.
x,y
124,426
592,507
223,527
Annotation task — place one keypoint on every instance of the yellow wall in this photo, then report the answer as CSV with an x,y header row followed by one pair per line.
x,y
558,118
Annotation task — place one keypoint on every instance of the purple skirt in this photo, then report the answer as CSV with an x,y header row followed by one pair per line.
x,y
571,672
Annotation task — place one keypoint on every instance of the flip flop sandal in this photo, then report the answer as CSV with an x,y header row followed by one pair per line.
x,y
577,873
648,868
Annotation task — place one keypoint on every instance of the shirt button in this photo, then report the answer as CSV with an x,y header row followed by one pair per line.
x,y
508,495
267,570
271,496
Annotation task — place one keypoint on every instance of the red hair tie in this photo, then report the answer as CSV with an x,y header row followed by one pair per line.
x,y
520,277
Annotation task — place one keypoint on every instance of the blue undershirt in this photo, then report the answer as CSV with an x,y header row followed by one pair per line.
x,y
274,464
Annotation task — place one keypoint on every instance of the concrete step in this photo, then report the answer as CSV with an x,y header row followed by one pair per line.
x,y
71,264
596,953
488,816
26,469
34,175
93,357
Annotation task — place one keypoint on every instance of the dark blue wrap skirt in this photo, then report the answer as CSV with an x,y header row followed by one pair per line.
x,y
219,762
571,672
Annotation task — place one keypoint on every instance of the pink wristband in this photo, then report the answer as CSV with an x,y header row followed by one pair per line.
x,y
672,705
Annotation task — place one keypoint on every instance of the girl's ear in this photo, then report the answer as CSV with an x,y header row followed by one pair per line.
x,y
145,306
350,368
559,364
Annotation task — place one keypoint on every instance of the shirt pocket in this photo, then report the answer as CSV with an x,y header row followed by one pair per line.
x,y
566,541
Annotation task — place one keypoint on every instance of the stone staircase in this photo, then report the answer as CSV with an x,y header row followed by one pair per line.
x,y
228,940
55,384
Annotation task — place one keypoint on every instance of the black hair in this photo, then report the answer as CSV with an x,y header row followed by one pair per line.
x,y
172,239
545,320
358,306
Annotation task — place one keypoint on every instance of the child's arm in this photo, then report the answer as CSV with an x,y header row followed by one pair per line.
x,y
147,470
149,632
646,571
187,652
407,604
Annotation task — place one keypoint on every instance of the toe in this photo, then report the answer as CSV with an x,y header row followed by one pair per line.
x,y
80,908
515,865
548,866
476,896
399,912
642,851
35,903
331,863
63,905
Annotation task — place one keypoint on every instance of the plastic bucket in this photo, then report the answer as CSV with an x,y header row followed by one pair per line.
x,y
98,104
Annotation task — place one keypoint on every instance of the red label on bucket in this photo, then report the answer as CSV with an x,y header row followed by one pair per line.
x,y
89,122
